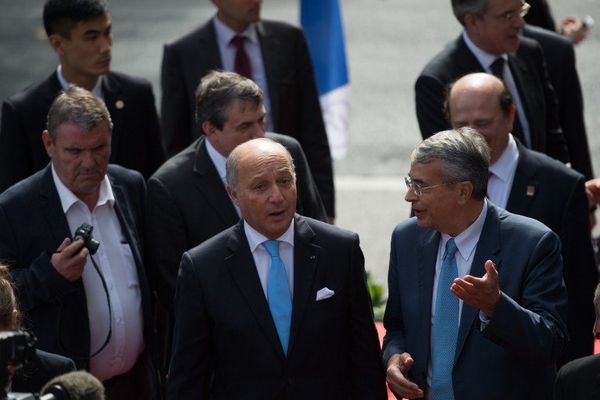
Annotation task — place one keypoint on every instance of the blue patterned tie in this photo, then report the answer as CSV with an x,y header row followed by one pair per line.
x,y
445,329
278,294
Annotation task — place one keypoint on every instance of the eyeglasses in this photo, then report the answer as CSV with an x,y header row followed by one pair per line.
x,y
417,188
510,15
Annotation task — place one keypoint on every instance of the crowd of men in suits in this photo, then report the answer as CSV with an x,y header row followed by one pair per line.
x,y
218,260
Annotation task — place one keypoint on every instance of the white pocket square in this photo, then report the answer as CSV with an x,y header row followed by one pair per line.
x,y
324,293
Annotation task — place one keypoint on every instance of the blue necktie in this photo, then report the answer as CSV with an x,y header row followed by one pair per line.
x,y
278,294
445,329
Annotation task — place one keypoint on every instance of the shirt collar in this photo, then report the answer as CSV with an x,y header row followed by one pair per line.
x,y
502,168
68,198
484,58
218,160
256,238
225,33
467,240
96,91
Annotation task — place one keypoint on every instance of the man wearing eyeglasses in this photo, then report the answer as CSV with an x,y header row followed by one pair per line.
x,y
578,380
491,42
477,304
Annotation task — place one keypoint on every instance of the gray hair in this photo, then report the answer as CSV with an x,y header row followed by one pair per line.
x,y
218,90
78,106
464,155
476,8
597,301
231,166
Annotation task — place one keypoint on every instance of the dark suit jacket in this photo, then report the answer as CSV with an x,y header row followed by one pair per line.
x,y
188,204
540,15
513,357
531,77
295,107
579,380
33,226
560,59
559,201
43,367
136,141
226,345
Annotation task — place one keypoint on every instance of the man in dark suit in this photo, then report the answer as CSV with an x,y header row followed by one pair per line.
x,y
560,60
276,306
477,305
187,200
491,42
95,310
80,34
580,379
529,183
276,58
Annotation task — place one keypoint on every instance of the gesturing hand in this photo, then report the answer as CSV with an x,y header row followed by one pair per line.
x,y
482,293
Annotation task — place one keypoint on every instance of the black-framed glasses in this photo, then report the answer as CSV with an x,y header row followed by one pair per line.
x,y
418,188
510,15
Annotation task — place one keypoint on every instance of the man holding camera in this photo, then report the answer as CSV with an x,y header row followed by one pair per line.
x,y
93,308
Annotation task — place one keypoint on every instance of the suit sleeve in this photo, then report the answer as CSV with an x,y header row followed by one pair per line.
x,y
15,157
533,328
572,118
312,135
166,239
429,102
191,365
154,145
556,145
175,116
367,375
393,342
580,271
38,283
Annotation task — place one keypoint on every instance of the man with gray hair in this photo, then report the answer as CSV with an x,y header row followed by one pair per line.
x,y
275,307
477,305
491,42
88,302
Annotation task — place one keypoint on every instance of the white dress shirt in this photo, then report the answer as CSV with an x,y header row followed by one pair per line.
x,y
503,174
486,60
115,260
262,259
96,91
220,164
252,46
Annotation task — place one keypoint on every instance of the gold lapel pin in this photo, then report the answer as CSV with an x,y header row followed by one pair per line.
x,y
119,104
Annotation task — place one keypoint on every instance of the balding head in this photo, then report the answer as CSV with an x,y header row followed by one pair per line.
x,y
482,102
262,182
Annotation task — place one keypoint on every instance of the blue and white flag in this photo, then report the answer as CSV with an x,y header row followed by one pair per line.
x,y
322,23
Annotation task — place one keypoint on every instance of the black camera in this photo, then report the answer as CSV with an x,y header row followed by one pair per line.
x,y
16,348
84,232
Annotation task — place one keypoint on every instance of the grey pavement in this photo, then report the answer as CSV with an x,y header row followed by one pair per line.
x,y
388,42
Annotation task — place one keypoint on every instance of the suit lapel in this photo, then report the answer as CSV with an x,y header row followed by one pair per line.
x,y
488,248
525,185
52,208
206,176
242,268
426,270
306,259
527,93
117,106
269,45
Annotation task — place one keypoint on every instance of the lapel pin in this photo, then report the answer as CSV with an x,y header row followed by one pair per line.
x,y
119,104
530,190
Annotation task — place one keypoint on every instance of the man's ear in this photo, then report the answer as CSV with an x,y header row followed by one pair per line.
x,y
56,42
48,144
465,192
209,130
233,194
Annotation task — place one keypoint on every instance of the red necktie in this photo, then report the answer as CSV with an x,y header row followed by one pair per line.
x,y
242,62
